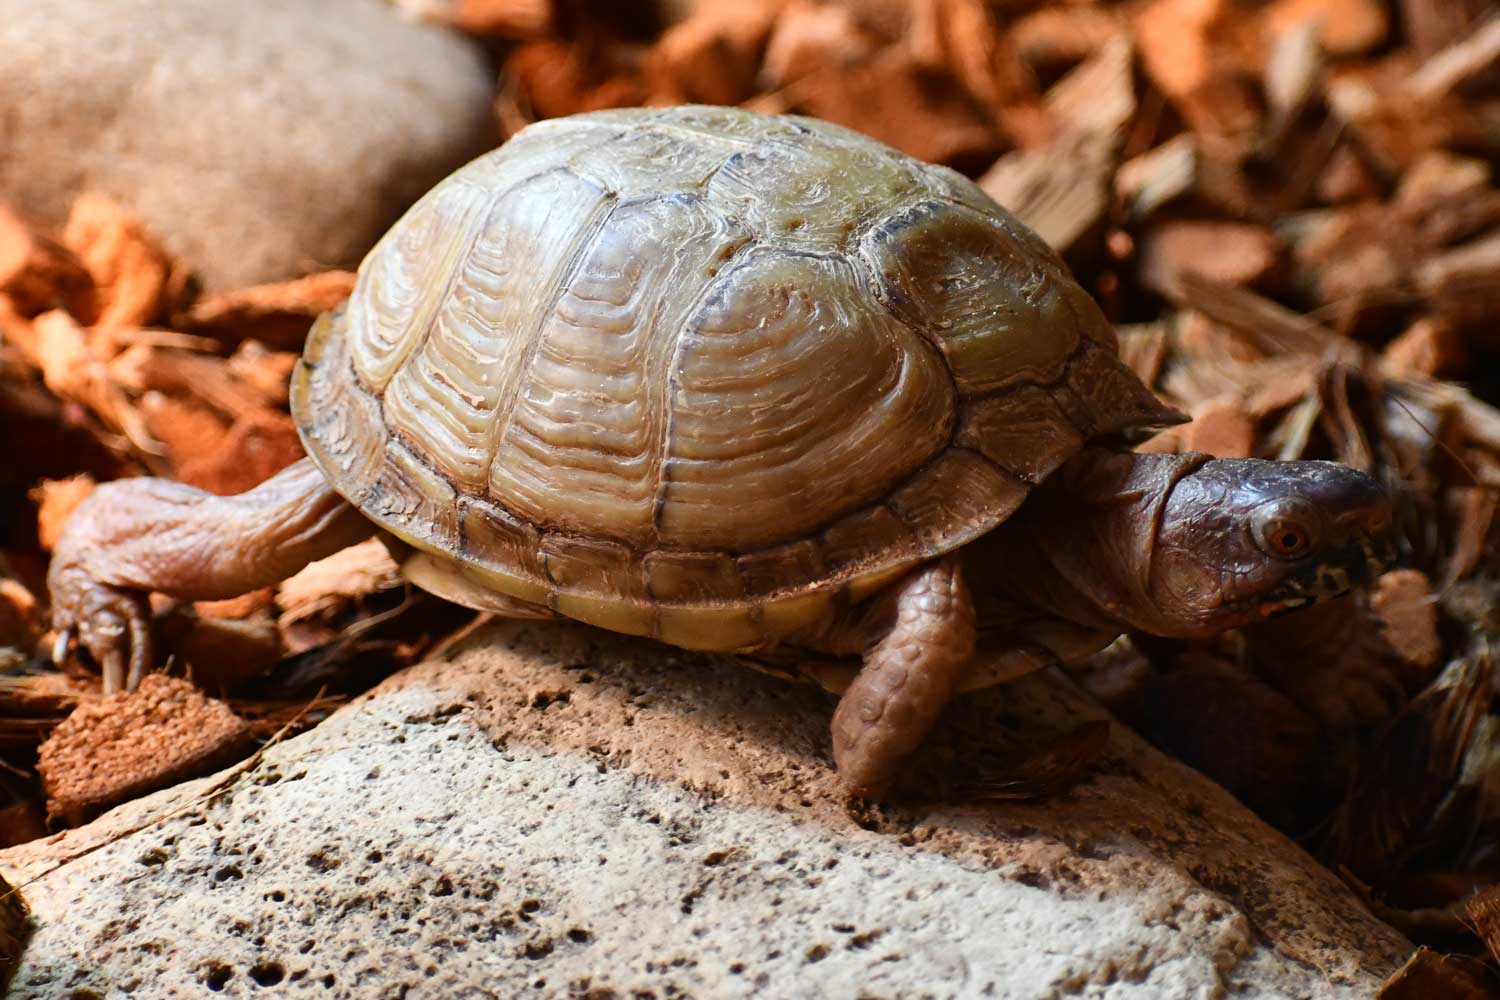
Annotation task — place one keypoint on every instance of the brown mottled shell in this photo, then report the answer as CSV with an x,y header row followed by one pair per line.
x,y
701,374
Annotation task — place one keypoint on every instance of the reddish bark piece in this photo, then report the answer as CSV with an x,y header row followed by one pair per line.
x,y
277,315
893,99
19,625
237,607
1429,974
1429,347
1404,603
711,58
56,500
1061,35
551,79
961,38
114,749
1345,27
1229,252
1200,54
810,37
132,274
221,457
37,273
344,577
517,19
1221,428
1187,170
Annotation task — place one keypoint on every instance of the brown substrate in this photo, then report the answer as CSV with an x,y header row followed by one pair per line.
x,y
121,747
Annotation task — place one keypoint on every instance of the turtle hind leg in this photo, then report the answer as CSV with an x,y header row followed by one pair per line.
x,y
907,679
135,536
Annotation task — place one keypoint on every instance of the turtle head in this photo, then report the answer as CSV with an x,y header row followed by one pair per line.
x,y
1240,540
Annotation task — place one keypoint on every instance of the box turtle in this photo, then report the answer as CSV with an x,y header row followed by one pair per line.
x,y
740,382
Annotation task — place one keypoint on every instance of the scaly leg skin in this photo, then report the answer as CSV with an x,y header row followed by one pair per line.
x,y
135,536
907,679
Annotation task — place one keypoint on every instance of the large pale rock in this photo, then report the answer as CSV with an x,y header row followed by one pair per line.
x,y
257,140
557,812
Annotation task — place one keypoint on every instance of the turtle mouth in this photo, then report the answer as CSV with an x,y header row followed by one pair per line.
x,y
1357,563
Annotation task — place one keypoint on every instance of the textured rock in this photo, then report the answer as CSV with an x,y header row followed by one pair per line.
x,y
556,812
256,140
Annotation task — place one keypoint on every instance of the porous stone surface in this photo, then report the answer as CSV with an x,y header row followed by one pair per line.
x,y
551,811
256,140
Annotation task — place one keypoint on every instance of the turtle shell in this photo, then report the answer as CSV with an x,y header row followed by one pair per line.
x,y
701,374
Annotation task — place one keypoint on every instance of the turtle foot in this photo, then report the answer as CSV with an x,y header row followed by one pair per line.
x,y
111,623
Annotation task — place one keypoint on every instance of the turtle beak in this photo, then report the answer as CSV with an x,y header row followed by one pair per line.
x,y
1365,527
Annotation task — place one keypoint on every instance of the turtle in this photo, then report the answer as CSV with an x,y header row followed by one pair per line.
x,y
740,382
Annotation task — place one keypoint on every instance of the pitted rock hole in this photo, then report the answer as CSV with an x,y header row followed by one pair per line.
x,y
217,976
267,973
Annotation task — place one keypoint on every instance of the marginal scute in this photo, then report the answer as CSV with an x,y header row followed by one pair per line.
x,y
789,565
998,313
852,542
952,500
1102,396
346,419
410,490
1022,430
494,537
592,565
766,447
675,577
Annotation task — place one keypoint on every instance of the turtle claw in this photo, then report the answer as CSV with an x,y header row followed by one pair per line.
x,y
112,624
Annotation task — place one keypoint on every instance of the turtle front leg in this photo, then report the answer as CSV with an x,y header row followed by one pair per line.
x,y
907,679
135,536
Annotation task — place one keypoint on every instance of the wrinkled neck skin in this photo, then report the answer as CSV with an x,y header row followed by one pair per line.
x,y
1084,548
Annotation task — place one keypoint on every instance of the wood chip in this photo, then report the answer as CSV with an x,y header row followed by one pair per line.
x,y
277,315
893,99
1345,27
356,572
56,499
1464,283
1220,428
1061,192
1430,347
552,78
1430,974
38,274
1056,38
1432,25
1187,169
517,19
131,273
1229,253
1462,61
810,37
20,623
1407,608
213,454
1484,910
1200,55
712,57
126,745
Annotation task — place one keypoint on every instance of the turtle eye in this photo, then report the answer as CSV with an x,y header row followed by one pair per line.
x,y
1283,531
